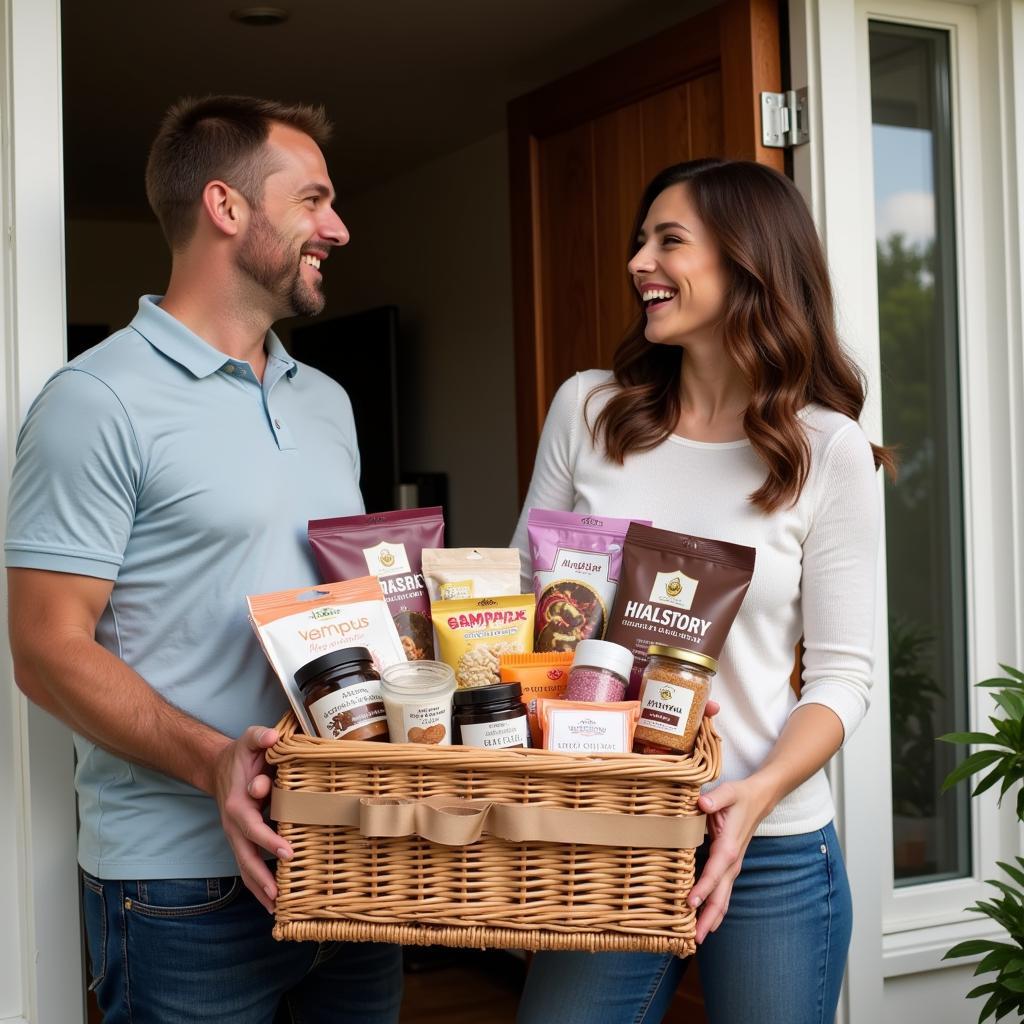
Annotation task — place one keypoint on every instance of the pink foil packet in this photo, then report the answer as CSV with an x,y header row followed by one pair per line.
x,y
576,564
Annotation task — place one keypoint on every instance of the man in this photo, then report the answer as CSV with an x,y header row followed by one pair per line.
x,y
161,477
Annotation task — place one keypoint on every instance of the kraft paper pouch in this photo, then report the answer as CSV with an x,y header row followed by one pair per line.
x,y
677,590
454,574
576,561
296,626
540,675
473,634
387,545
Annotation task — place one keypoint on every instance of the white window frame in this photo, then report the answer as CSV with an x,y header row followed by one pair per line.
x,y
912,927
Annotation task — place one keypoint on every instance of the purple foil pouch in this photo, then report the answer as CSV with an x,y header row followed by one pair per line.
x,y
387,545
576,564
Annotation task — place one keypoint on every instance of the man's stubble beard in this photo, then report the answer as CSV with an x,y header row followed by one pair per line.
x,y
268,260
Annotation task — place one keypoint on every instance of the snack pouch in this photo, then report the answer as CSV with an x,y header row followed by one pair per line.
x,y
576,562
582,727
677,590
386,545
473,634
454,574
296,626
540,675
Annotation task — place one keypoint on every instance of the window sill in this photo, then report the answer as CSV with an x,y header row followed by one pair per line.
x,y
922,949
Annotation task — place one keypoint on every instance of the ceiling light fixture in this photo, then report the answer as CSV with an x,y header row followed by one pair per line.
x,y
260,16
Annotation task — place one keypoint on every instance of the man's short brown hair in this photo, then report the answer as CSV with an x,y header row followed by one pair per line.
x,y
217,137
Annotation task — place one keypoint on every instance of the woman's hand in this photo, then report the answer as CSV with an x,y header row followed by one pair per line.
x,y
810,737
734,811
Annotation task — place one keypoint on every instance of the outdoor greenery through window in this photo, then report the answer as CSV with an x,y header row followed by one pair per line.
x,y
917,299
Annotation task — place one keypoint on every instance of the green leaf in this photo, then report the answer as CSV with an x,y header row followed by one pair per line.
x,y
990,986
1000,683
970,737
1011,702
989,780
1015,673
996,959
971,947
969,766
1012,983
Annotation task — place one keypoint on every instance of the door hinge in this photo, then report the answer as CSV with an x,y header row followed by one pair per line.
x,y
784,120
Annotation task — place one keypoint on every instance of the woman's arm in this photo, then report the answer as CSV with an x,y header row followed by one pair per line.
x,y
811,736
838,585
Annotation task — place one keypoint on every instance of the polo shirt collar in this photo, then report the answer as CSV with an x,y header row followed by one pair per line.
x,y
177,342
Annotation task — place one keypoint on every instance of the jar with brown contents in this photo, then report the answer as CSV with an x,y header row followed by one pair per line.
x,y
341,693
674,690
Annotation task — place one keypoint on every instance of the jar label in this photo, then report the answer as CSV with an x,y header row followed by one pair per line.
x,y
665,707
512,732
426,723
339,713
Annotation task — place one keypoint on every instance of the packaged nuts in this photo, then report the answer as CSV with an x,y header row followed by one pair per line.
x,y
473,634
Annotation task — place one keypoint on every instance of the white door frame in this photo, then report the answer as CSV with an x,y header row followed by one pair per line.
x,y
40,948
835,172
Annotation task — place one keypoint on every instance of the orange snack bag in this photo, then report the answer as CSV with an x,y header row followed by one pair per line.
x,y
584,727
540,675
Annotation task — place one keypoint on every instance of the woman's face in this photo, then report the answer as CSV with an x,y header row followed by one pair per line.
x,y
678,272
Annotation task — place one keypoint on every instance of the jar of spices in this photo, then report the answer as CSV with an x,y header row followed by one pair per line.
x,y
492,717
674,689
418,701
341,694
600,672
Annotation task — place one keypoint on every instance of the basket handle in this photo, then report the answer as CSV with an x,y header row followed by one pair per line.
x,y
454,821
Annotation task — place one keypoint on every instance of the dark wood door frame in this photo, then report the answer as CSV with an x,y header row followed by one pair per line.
x,y
740,38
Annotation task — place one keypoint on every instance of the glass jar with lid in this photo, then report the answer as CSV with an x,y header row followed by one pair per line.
x,y
492,717
341,694
418,701
673,693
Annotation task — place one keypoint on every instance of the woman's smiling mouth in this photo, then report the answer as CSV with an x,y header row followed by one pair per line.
x,y
654,296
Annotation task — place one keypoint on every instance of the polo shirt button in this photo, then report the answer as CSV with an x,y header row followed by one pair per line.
x,y
277,423
230,368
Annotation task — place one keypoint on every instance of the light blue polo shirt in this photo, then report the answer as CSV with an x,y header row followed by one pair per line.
x,y
155,461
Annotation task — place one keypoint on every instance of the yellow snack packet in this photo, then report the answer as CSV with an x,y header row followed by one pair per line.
x,y
473,634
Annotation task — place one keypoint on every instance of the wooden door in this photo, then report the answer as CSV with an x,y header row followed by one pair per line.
x,y
581,150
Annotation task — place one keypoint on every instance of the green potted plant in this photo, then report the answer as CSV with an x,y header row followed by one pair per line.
x,y
1002,763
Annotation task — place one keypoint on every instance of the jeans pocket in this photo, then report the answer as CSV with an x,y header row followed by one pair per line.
x,y
94,909
182,897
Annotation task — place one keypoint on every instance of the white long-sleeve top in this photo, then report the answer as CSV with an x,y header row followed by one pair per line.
x,y
814,576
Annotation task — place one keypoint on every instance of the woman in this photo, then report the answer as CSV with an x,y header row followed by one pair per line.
x,y
732,413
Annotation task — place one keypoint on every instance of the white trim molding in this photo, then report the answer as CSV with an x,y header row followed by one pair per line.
x,y
41,977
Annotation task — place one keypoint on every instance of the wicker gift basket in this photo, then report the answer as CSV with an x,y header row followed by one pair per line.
x,y
459,846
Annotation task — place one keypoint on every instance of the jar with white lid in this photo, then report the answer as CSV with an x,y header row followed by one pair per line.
x,y
418,701
600,672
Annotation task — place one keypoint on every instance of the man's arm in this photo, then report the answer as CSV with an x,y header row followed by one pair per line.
x,y
59,665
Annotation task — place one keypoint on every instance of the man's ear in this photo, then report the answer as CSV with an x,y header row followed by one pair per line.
x,y
224,207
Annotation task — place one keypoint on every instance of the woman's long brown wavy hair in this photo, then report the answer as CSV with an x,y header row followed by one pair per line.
x,y
778,327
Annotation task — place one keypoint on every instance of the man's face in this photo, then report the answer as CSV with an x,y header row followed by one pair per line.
x,y
294,228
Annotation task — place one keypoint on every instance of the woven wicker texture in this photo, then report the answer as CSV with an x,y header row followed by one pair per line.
x,y
343,886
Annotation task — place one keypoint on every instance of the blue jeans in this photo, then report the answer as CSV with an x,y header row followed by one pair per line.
x,y
200,951
777,958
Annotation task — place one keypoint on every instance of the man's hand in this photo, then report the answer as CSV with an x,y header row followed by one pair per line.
x,y
241,787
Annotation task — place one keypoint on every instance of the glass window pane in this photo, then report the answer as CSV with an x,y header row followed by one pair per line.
x,y
914,230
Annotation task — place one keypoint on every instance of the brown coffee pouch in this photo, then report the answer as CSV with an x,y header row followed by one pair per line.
x,y
387,545
677,590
